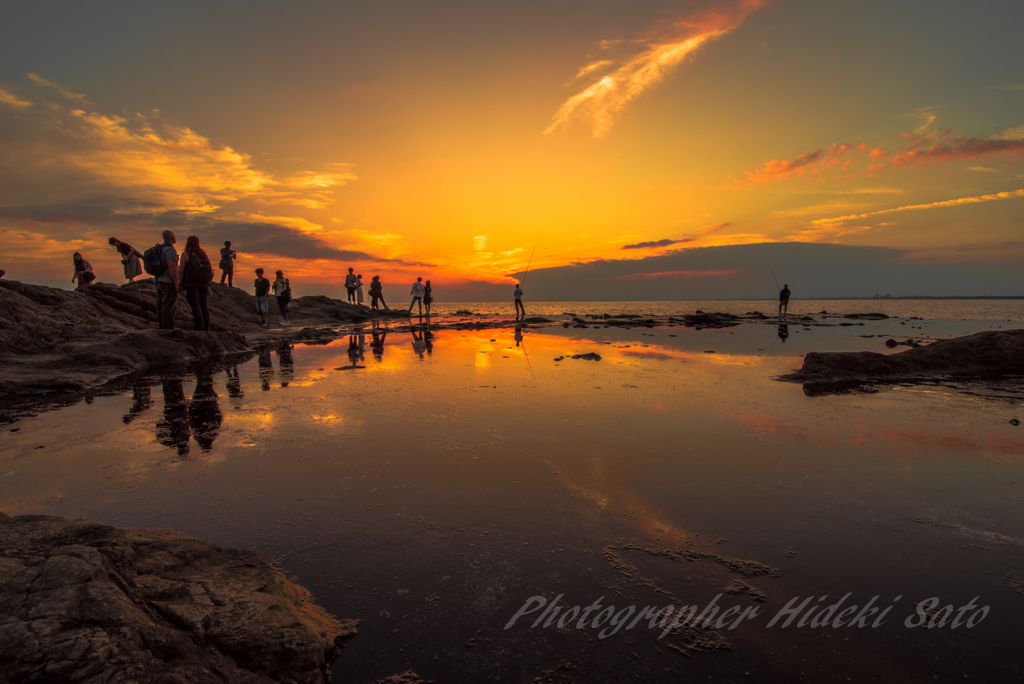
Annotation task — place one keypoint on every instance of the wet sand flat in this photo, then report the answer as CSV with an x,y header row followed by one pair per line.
x,y
431,483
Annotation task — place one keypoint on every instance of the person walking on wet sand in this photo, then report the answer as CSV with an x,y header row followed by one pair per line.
x,y
376,293
784,299
131,259
227,263
195,273
417,295
83,270
350,286
283,292
262,286
428,296
518,294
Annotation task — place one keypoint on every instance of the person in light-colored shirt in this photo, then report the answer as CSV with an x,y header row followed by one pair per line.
x,y
518,294
417,295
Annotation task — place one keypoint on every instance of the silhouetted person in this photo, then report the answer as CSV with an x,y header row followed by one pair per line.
x,y
204,414
518,295
173,431
428,296
376,293
234,383
227,263
131,259
784,300
283,292
284,357
417,295
519,335
266,368
783,332
141,402
359,290
377,344
83,270
167,284
262,289
350,286
195,274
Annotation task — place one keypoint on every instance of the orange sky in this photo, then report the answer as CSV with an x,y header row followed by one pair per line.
x,y
448,141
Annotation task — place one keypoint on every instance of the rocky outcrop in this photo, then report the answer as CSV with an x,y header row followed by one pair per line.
x,y
984,353
84,602
60,340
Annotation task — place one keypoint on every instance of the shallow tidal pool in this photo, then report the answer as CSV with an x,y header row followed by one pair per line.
x,y
457,491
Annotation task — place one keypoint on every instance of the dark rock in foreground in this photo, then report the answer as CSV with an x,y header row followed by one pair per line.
x,y
984,353
84,602
711,320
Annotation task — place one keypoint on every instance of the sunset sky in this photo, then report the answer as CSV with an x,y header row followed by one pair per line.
x,y
446,139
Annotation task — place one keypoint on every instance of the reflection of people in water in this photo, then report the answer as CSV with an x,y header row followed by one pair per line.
x,y
284,357
141,401
519,335
428,340
783,332
204,414
377,344
355,348
173,431
234,383
418,345
266,368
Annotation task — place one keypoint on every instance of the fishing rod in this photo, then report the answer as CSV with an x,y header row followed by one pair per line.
x,y
522,281
771,269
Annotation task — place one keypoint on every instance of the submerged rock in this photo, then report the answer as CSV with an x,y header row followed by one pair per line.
x,y
589,356
984,353
711,320
81,601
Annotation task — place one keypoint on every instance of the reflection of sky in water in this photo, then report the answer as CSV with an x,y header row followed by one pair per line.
x,y
389,460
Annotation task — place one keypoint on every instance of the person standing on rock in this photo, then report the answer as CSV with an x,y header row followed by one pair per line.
x,y
262,286
350,286
376,293
167,284
131,259
195,273
784,299
518,295
428,296
359,289
283,292
227,263
417,295
83,270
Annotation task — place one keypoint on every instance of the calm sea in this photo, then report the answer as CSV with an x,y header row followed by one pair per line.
x,y
933,309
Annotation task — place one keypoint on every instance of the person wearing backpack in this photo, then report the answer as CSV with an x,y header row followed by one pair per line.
x,y
195,274
161,262
282,289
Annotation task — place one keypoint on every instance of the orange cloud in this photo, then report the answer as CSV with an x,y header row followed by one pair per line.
x,y
69,94
666,45
921,151
11,100
777,169
933,205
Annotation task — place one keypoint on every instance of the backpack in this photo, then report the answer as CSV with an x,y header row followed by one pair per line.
x,y
198,271
153,261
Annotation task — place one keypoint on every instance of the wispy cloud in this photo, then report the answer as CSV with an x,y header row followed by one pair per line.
x,y
926,116
69,94
813,161
932,205
666,45
653,244
1014,86
680,274
11,100
929,149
